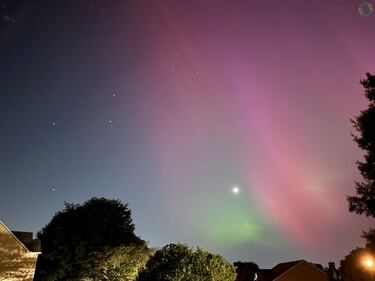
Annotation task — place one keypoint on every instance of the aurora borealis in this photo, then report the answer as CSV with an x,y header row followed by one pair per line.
x,y
169,105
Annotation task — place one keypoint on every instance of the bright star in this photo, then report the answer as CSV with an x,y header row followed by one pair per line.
x,y
236,190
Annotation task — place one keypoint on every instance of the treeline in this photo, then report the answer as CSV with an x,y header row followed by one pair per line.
x,y
96,240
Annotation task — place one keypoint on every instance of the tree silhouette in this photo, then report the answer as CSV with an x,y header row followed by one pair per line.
x,y
364,201
246,271
78,230
370,239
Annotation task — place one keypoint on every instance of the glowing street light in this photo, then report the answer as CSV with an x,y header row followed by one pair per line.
x,y
370,265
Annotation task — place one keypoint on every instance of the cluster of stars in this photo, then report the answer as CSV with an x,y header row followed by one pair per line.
x,y
110,121
53,123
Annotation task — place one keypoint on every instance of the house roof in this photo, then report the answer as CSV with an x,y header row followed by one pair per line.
x,y
284,267
278,270
6,229
17,263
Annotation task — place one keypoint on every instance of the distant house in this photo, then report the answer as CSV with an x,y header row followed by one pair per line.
x,y
17,261
293,271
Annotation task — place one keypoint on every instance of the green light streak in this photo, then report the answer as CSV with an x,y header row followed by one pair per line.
x,y
233,226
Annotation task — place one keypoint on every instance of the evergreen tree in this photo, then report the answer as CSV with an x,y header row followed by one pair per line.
x,y
364,123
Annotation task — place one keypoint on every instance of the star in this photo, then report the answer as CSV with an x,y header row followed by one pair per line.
x,y
53,123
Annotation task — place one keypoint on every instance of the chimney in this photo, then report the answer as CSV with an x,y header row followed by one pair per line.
x,y
332,271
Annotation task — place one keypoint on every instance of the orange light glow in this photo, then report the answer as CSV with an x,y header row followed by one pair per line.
x,y
369,262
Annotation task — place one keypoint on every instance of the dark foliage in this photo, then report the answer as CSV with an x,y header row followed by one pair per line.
x,y
246,270
370,240
364,201
78,230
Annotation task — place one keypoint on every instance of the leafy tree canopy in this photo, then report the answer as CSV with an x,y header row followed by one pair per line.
x,y
177,262
122,263
81,229
364,201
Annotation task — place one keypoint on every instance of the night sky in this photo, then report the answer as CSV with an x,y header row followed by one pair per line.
x,y
223,124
